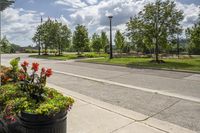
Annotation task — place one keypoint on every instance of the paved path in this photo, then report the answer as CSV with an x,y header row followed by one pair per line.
x,y
164,95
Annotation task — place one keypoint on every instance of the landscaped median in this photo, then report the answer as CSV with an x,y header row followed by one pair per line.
x,y
69,56
181,64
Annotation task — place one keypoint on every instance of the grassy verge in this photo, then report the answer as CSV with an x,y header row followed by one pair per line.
x,y
69,56
190,64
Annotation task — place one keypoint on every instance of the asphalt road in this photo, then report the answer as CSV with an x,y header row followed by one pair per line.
x,y
168,96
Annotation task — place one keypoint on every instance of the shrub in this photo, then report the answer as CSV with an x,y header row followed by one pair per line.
x,y
10,74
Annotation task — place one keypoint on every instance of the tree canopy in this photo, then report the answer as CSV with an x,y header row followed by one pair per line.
x,y
104,41
96,43
155,27
193,35
80,38
119,41
53,34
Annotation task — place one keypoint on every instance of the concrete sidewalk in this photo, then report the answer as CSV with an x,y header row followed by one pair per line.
x,y
89,115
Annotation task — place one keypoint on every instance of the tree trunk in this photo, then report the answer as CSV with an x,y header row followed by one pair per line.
x,y
178,44
157,51
105,49
45,50
59,49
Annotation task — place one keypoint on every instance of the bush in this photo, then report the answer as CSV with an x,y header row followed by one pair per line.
x,y
95,55
31,51
9,74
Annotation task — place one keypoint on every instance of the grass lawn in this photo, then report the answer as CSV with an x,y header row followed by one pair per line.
x,y
187,64
69,56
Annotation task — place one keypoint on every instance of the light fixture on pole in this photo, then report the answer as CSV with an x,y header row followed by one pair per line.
x,y
110,18
3,5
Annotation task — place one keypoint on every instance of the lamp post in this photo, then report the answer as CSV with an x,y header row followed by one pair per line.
x,y
39,47
3,5
111,54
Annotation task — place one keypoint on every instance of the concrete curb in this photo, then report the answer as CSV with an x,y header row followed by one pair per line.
x,y
140,118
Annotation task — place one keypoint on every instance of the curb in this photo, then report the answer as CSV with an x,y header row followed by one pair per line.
x,y
138,117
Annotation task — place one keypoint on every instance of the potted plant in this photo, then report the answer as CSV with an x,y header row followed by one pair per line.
x,y
36,108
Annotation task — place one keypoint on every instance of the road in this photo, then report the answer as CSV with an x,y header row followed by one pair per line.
x,y
165,95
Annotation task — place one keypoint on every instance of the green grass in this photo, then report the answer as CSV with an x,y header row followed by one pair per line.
x,y
53,57
69,56
185,64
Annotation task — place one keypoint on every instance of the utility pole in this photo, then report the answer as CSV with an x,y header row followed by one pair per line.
x,y
111,54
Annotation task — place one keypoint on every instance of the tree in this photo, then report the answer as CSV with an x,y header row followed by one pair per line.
x,y
136,33
65,38
43,35
54,35
96,43
193,35
104,41
159,24
119,41
5,45
61,37
14,48
80,38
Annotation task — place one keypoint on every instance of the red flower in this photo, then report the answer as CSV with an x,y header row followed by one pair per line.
x,y
25,64
35,67
43,70
48,72
22,77
10,119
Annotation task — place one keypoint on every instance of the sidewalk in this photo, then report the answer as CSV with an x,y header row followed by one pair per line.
x,y
89,115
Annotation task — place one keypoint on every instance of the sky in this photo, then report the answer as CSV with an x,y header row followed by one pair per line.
x,y
19,21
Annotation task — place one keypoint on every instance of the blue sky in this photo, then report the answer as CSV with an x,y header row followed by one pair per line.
x,y
21,19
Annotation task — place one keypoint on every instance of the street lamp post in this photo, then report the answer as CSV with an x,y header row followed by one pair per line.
x,y
111,54
39,47
3,5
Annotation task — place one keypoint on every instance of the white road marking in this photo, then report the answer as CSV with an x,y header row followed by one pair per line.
x,y
189,98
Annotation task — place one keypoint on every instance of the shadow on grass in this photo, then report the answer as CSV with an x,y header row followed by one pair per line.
x,y
167,65
197,60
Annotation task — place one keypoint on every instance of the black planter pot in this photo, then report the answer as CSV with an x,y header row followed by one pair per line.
x,y
3,127
32,123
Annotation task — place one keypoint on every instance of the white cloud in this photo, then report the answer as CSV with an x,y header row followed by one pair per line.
x,y
91,2
190,12
63,20
71,3
95,16
19,25
31,1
